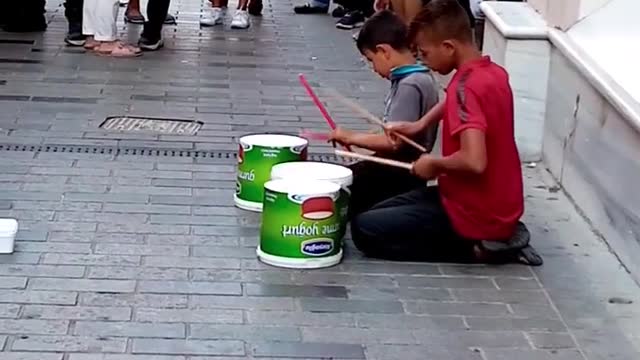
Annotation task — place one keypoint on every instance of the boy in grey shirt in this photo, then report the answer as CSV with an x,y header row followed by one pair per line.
x,y
383,41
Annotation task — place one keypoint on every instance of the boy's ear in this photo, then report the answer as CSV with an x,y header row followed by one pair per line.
x,y
384,49
449,45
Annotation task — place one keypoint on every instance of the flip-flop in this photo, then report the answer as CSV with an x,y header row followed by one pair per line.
x,y
519,240
170,20
529,256
126,51
137,19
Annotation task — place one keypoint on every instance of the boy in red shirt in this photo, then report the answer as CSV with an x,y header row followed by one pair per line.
x,y
473,214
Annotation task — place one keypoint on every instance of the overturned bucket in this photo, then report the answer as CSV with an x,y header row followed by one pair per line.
x,y
301,224
256,155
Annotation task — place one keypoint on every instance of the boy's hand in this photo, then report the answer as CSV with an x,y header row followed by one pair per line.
x,y
342,136
408,129
425,167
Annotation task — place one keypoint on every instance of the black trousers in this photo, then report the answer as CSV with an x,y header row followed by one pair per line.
x,y
374,183
23,16
410,227
157,11
73,13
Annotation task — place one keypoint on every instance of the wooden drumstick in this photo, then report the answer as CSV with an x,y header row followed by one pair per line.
x,y
358,109
375,159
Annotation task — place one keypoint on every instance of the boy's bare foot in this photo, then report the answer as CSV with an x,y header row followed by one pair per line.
x,y
91,43
118,49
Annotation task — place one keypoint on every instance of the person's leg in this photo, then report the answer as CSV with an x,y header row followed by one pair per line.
x,y
255,7
214,15
89,23
410,227
313,7
151,38
241,17
73,13
133,14
24,16
374,183
105,15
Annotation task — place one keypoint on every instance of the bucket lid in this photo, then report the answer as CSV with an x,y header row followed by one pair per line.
x,y
8,227
313,187
313,170
273,140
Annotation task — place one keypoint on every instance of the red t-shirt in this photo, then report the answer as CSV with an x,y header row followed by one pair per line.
x,y
486,206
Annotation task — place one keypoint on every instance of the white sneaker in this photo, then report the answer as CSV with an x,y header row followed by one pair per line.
x,y
212,17
123,2
240,20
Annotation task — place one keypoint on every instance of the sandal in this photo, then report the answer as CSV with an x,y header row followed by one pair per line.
x,y
134,19
515,250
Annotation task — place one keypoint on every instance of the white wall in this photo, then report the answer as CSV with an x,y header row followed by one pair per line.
x,y
565,13
593,151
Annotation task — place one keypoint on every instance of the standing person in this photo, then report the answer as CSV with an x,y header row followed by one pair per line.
x,y
473,214
99,25
73,13
151,38
215,15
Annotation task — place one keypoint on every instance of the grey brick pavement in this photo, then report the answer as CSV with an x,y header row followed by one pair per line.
x,y
133,257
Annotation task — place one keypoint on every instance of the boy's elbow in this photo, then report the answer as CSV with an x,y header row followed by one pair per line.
x,y
478,166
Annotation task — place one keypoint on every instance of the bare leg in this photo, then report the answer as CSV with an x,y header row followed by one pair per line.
x,y
133,9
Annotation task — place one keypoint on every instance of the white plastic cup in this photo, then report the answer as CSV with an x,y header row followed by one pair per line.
x,y
8,230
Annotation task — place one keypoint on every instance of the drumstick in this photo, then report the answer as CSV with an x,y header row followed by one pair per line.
x,y
375,159
313,135
318,103
357,108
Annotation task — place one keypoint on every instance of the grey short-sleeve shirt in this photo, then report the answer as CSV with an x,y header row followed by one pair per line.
x,y
410,98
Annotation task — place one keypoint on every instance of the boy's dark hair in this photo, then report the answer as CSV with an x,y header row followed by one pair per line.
x,y
443,19
384,27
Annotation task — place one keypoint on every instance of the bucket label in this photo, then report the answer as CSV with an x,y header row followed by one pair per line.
x,y
254,167
317,247
297,226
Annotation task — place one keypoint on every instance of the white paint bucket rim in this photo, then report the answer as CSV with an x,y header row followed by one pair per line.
x,y
310,187
273,140
8,227
313,170
8,231
294,263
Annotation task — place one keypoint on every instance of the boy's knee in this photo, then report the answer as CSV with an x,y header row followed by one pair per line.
x,y
363,234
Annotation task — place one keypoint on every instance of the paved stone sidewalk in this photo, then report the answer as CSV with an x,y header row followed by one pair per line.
x,y
140,255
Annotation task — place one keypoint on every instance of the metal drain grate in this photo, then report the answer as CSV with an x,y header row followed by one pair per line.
x,y
155,125
147,152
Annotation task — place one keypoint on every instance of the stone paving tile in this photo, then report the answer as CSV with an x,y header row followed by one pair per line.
x,y
144,257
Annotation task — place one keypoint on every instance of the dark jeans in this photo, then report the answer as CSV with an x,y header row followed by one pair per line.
x,y
410,227
157,11
73,13
374,183
23,15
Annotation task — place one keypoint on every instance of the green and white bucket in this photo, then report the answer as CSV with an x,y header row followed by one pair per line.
x,y
311,170
300,224
256,155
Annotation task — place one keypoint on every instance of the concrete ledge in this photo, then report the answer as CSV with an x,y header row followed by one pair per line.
x,y
617,96
515,20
